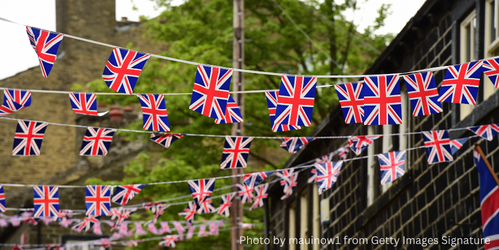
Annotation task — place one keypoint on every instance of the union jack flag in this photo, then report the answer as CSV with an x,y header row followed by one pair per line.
x,y
214,228
190,211
156,208
85,224
45,44
382,100
190,233
491,69
154,112
97,228
261,194
272,104
351,101
104,242
202,231
211,91
46,201
489,202
246,225
457,144
3,207
206,207
343,152
254,179
358,143
15,100
225,203
437,145
84,104
153,229
294,144
138,229
295,102
232,113
235,152
201,189
165,140
313,175
327,174
391,166
180,229
487,132
461,82
123,69
98,200
169,241
423,94
63,214
28,138
289,180
325,158
97,141
125,193
121,214
245,192
132,243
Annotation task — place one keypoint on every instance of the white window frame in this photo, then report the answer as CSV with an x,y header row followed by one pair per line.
x,y
469,23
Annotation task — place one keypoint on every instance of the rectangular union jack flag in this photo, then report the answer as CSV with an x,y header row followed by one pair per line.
x,y
164,227
294,144
236,151
289,180
15,100
97,141
295,102
391,166
85,104
211,91
154,112
46,201
261,194
461,82
169,241
352,101
166,139
488,132
206,207
3,206
190,211
490,68
225,203
423,94
358,143
382,100
254,179
28,138
98,200
438,146
457,144
201,189
232,113
125,193
245,192
123,69
45,44
272,104
327,174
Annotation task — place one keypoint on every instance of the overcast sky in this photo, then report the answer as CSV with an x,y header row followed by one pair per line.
x,y
18,55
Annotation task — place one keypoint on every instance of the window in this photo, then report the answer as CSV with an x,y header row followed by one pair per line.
x,y
491,41
468,51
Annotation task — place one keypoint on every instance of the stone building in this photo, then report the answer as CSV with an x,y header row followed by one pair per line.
x,y
429,200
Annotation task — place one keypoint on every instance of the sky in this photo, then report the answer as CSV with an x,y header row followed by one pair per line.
x,y
18,54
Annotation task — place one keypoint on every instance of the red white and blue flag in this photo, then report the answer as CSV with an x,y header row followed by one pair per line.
x,y
46,201
85,224
206,207
487,132
391,166
98,200
491,69
164,227
201,189
169,241
3,206
225,203
261,194
351,100
457,144
313,175
295,102
461,83
211,91
235,153
327,174
438,146
123,69
294,144
97,141
120,214
154,113
325,158
423,94
85,104
45,44
28,138
382,100
165,140
245,192
157,208
125,193
358,143
289,180
253,179
272,104
190,211
343,152
232,113
15,100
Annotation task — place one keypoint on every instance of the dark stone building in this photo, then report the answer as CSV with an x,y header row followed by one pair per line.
x,y
430,200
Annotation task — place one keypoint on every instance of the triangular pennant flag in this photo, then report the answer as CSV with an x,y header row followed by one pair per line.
x,y
487,132
165,140
85,104
351,100
3,206
139,230
313,175
245,192
85,224
358,143
169,241
294,144
202,231
457,144
28,138
157,208
327,174
289,180
460,84
295,102
272,104
232,113
46,201
97,141
437,145
211,91
45,44
98,200
190,232
325,158
154,113
153,229
225,204
382,100
123,69
120,214
423,94
97,228
206,207
236,151
391,166
125,193
253,179
15,100
214,228
189,212
491,70
261,194
201,189
343,152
